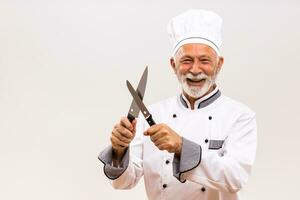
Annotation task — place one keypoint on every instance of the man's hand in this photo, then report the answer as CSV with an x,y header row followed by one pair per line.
x,y
121,136
165,138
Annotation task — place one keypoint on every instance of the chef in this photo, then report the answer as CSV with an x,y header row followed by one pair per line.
x,y
203,144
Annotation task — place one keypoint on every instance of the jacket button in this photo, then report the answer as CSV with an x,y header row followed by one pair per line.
x,y
203,189
210,117
167,161
164,185
206,140
174,115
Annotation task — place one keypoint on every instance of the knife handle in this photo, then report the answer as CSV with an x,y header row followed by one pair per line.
x,y
150,120
130,117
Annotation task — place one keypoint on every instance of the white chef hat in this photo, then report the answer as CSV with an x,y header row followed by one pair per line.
x,y
196,26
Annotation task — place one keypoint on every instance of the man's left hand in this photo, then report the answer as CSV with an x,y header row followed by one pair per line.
x,y
165,138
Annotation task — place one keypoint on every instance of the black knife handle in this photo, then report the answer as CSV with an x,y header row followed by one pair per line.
x,y
150,120
130,117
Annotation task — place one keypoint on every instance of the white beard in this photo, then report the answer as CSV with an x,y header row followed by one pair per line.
x,y
196,91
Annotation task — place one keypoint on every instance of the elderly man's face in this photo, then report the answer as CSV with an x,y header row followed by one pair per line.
x,y
196,66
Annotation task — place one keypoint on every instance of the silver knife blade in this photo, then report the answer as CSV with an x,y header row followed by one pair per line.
x,y
138,100
141,105
134,109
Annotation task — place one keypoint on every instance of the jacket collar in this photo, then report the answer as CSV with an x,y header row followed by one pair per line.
x,y
203,101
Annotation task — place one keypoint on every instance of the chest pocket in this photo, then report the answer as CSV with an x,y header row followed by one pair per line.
x,y
215,144
217,135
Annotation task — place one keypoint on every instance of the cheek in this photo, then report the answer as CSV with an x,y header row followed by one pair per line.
x,y
208,70
183,69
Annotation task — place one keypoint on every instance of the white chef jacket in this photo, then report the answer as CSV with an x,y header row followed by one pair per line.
x,y
218,151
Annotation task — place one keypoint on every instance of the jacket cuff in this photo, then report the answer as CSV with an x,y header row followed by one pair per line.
x,y
190,158
113,172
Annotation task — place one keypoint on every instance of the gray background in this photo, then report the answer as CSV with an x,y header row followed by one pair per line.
x,y
63,66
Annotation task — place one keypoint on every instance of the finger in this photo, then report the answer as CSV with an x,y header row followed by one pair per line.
x,y
126,123
115,145
163,146
159,134
118,135
152,129
116,141
124,132
160,141
134,124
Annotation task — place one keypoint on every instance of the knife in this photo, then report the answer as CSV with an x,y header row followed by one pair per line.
x,y
140,104
134,109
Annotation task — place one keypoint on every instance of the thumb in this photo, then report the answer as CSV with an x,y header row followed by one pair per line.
x,y
133,123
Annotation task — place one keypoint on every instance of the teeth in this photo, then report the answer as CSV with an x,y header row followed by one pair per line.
x,y
197,80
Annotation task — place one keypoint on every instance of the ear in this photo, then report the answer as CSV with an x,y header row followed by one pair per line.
x,y
172,63
220,63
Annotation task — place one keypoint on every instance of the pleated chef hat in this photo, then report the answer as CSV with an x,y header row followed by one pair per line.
x,y
196,26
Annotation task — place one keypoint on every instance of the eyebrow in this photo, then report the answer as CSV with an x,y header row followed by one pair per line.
x,y
206,57
200,57
186,56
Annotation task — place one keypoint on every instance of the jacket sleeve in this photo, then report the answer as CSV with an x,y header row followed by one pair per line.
x,y
113,172
226,169
127,175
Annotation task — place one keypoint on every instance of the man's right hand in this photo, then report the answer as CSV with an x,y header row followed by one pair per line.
x,y
122,134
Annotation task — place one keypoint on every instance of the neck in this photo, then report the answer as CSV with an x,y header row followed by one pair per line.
x,y
192,99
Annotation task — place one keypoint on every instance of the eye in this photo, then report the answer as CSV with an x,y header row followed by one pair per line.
x,y
186,61
205,61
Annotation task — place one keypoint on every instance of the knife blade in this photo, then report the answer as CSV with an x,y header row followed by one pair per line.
x,y
140,104
134,109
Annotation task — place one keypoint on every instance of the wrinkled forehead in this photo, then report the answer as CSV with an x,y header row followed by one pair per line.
x,y
196,50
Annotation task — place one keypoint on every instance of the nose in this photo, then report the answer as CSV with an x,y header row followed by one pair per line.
x,y
196,68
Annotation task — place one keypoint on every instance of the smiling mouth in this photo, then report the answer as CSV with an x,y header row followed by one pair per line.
x,y
195,80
